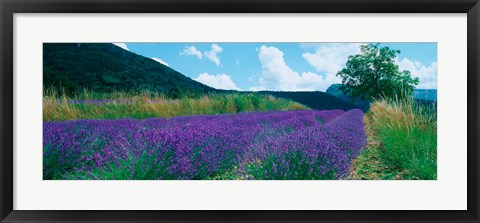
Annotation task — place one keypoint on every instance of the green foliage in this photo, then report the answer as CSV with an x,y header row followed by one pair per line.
x,y
241,104
374,74
58,80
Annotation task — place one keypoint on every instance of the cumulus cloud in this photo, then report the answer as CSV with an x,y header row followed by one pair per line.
x,y
160,61
122,45
331,57
426,74
191,51
212,54
277,75
218,81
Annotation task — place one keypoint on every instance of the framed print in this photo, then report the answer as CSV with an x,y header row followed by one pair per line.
x,y
239,111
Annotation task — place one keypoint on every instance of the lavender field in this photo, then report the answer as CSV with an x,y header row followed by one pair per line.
x,y
239,111
291,145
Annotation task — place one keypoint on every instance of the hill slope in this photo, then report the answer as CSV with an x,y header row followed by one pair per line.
x,y
422,96
334,90
314,99
104,67
425,94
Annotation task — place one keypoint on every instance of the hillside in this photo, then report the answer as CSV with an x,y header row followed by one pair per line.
x,y
105,67
334,90
313,99
422,96
425,94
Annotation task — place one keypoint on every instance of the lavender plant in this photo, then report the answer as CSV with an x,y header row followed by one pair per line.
x,y
277,144
314,152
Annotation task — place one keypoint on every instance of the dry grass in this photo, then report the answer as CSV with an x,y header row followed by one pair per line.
x,y
402,142
58,107
394,114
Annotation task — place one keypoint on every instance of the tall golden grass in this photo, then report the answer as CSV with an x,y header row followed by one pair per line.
x,y
407,136
58,107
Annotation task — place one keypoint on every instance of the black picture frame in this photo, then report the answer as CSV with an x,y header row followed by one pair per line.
x,y
10,7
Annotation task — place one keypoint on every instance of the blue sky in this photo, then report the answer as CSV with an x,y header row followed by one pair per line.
x,y
278,66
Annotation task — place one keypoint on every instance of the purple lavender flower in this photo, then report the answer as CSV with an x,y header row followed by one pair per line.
x,y
284,145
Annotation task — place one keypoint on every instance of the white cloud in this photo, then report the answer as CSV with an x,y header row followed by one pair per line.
x,y
330,57
219,81
160,61
191,51
212,54
277,75
122,45
426,75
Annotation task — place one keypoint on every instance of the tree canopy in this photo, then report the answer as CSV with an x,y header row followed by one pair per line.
x,y
373,74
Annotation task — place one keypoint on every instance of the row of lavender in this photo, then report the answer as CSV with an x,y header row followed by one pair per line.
x,y
311,153
258,145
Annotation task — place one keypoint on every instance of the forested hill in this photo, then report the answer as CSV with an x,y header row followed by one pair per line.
x,y
105,67
314,99
334,90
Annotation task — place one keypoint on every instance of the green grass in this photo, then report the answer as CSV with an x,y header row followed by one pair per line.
x,y
58,107
402,137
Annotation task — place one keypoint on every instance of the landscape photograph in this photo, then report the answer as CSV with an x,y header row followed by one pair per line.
x,y
240,111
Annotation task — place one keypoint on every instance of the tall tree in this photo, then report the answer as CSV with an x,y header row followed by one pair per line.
x,y
373,74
